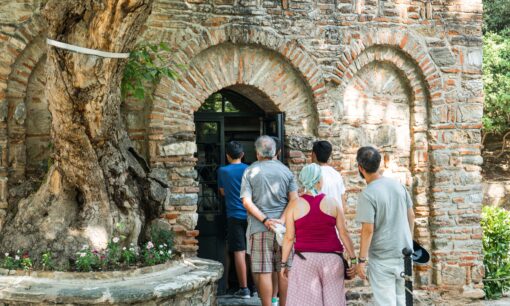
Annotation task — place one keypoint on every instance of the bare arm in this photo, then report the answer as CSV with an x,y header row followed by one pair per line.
x,y
293,195
344,234
367,231
410,219
288,240
344,202
252,209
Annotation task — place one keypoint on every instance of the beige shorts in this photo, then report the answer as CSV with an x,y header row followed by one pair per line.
x,y
265,253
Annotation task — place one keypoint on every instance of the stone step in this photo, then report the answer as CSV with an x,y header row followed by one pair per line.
x,y
230,300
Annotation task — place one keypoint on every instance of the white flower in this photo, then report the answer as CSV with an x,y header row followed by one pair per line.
x,y
84,247
132,249
124,248
6,254
150,245
160,246
16,257
164,244
116,239
161,252
169,251
82,254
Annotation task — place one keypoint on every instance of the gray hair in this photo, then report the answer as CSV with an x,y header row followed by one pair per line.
x,y
265,146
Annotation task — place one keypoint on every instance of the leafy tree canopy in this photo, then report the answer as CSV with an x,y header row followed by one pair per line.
x,y
496,15
496,66
496,77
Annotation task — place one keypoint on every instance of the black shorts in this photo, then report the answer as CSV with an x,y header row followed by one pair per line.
x,y
236,234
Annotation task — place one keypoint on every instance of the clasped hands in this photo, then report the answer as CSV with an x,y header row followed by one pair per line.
x,y
270,223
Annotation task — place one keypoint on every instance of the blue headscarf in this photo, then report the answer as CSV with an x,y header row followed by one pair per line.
x,y
309,176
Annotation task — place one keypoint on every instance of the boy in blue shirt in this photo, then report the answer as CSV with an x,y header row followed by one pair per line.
x,y
229,183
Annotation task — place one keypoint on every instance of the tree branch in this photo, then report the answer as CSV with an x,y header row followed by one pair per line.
x,y
503,148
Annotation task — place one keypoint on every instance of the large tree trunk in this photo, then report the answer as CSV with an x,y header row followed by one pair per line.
x,y
98,186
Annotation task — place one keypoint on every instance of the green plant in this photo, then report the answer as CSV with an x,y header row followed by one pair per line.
x,y
496,246
161,236
113,254
150,254
47,261
129,255
146,64
87,260
26,262
10,262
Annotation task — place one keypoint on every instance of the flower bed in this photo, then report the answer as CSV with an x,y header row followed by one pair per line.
x,y
117,256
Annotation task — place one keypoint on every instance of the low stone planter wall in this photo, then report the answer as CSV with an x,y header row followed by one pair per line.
x,y
187,282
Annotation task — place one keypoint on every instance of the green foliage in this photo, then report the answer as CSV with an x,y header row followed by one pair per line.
x,y
113,254
47,261
26,263
129,255
496,15
160,236
146,66
155,254
496,77
10,262
87,260
20,260
496,246
159,248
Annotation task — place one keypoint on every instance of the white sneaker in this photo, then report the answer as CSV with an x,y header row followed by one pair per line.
x,y
275,301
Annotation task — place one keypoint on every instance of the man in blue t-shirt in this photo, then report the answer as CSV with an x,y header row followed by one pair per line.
x,y
229,183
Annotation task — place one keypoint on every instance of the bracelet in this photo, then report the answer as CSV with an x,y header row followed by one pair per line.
x,y
265,219
285,265
362,260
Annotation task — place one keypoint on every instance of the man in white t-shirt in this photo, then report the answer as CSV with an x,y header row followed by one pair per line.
x,y
332,182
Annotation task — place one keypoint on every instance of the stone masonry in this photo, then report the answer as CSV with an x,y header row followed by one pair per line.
x,y
401,75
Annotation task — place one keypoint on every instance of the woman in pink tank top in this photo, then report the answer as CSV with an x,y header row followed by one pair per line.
x,y
317,273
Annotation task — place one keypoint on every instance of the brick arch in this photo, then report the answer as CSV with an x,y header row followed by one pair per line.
x,y
18,42
418,85
26,49
410,50
193,42
228,65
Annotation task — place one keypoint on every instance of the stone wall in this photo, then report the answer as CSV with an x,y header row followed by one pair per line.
x,y
402,75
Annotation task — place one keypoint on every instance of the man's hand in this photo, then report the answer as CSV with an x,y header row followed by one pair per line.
x,y
270,223
284,273
361,270
351,272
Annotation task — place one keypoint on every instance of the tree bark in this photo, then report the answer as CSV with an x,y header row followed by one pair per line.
x,y
98,186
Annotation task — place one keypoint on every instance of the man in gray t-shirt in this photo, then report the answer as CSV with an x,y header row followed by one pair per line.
x,y
266,188
385,211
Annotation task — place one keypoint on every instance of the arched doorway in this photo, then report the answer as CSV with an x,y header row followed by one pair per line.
x,y
225,116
